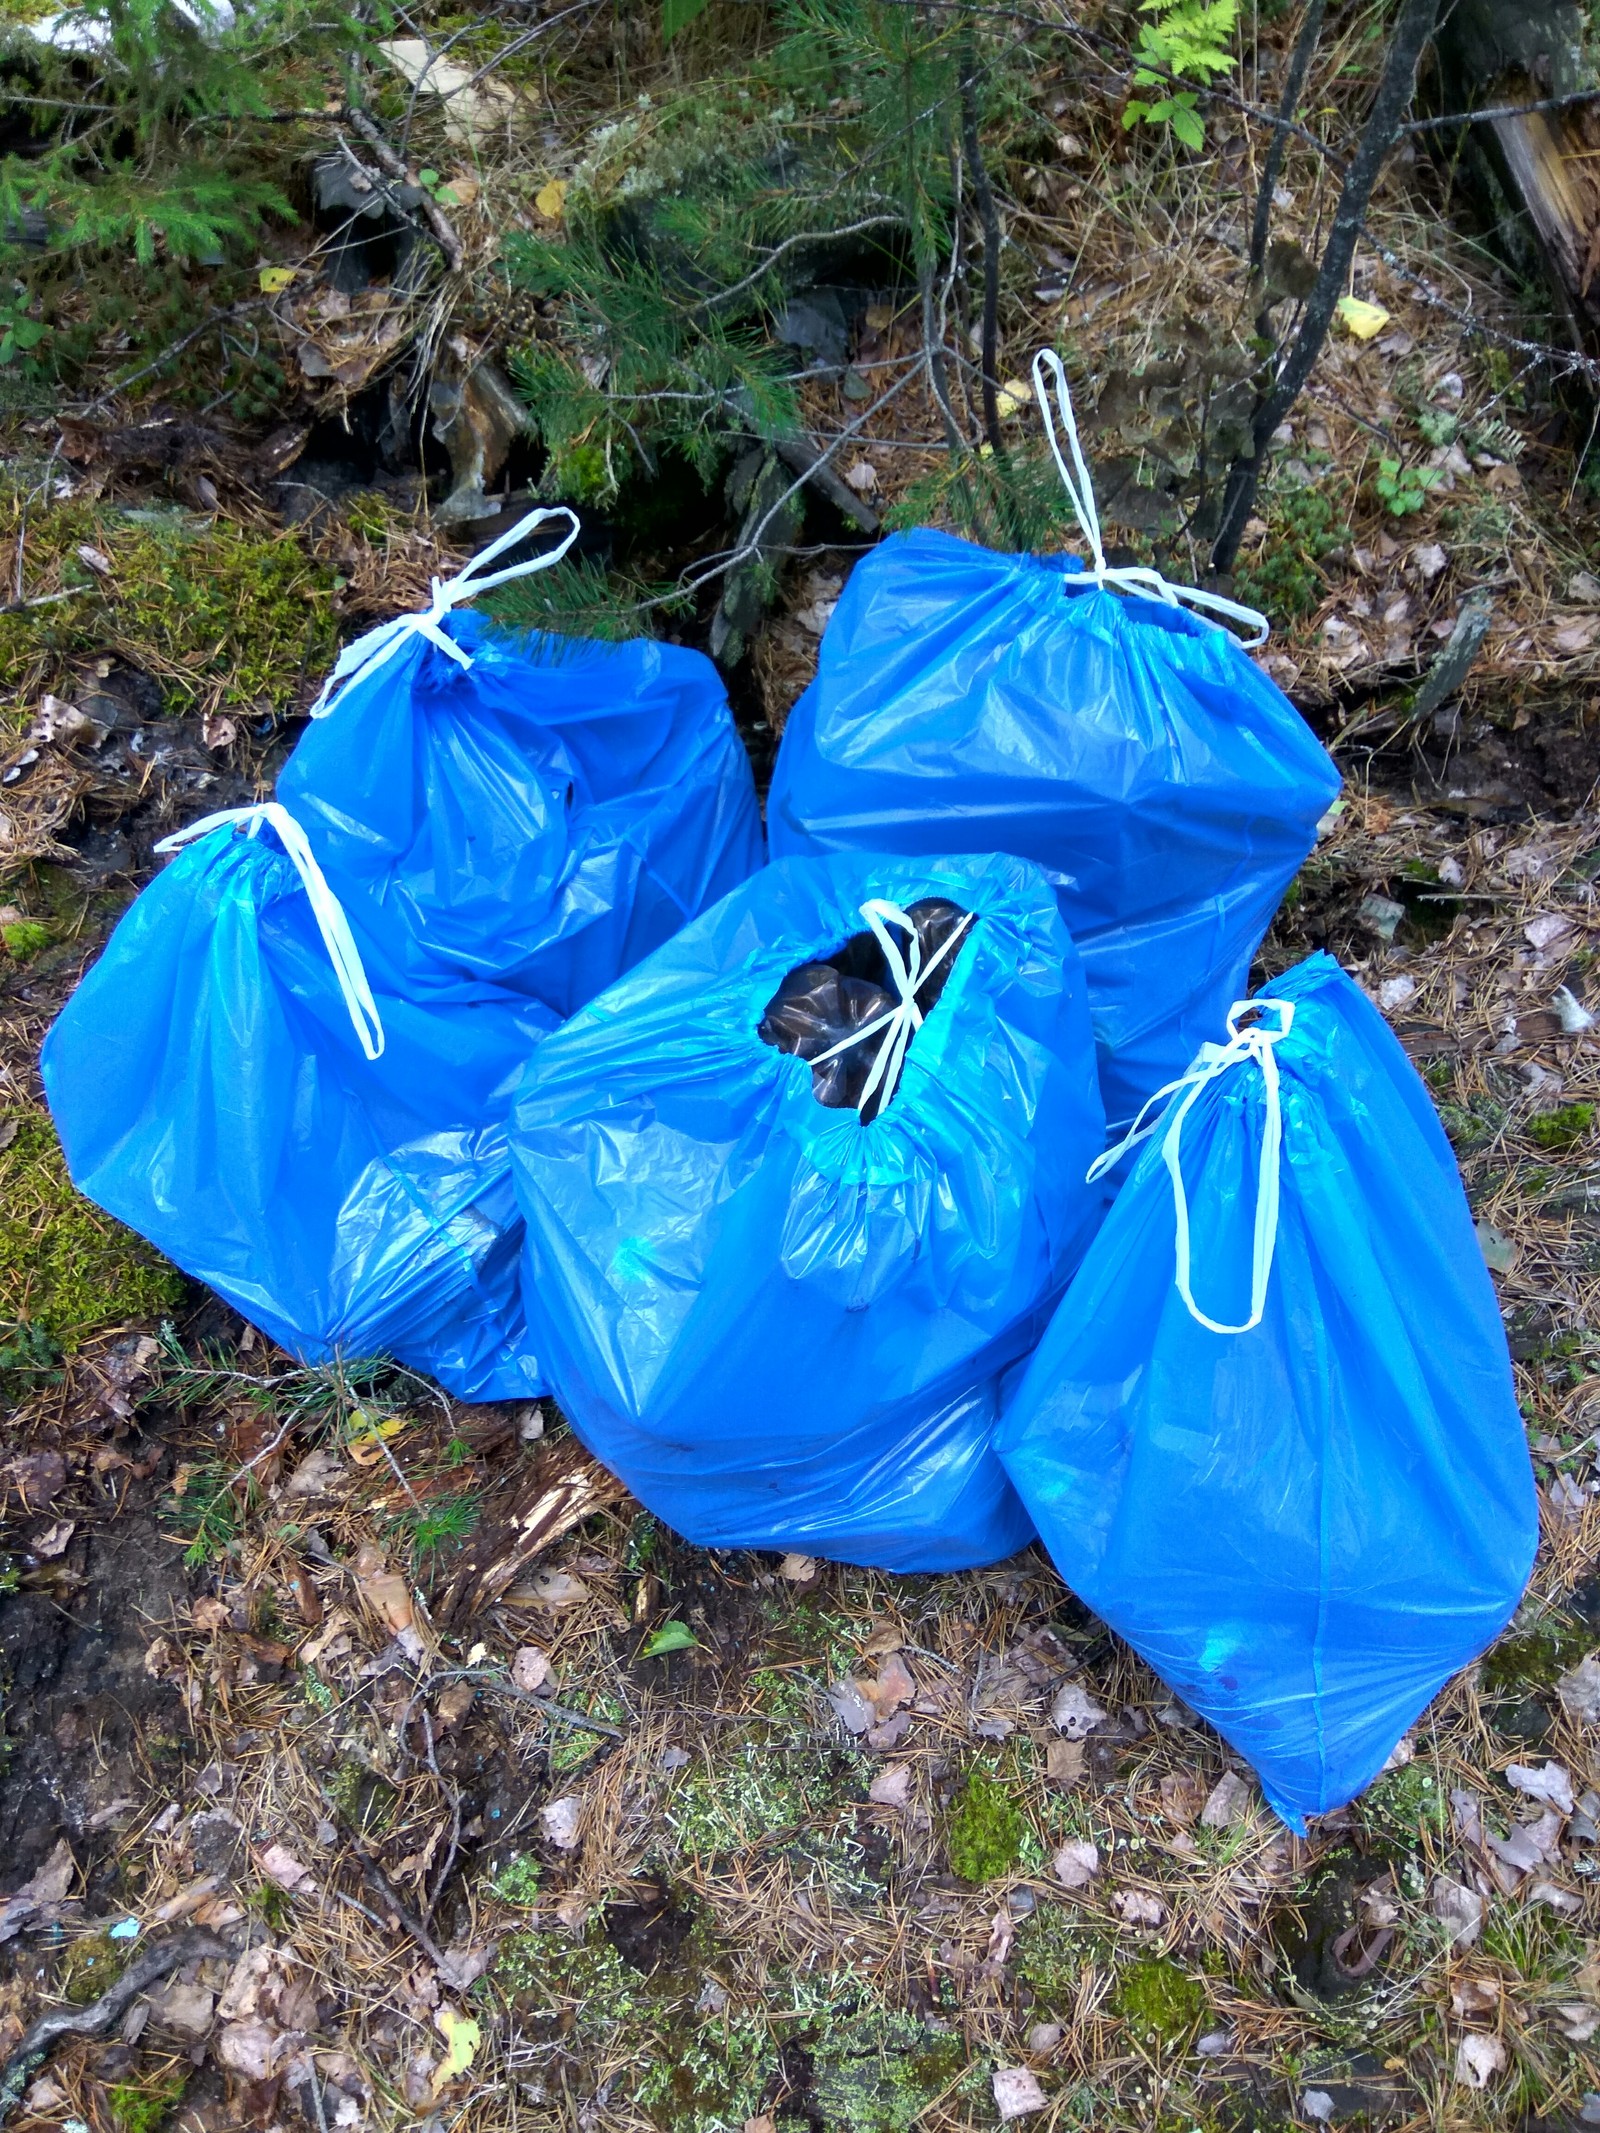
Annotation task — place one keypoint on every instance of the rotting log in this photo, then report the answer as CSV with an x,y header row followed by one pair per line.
x,y
1536,173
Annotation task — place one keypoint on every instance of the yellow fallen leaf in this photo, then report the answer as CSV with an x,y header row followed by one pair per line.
x,y
274,280
1013,397
368,1436
1363,319
551,199
462,2037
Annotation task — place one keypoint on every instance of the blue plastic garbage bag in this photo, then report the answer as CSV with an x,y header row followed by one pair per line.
x,y
782,1326
516,811
1308,1524
331,1161
968,701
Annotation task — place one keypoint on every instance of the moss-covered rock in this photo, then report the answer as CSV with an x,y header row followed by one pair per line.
x,y
882,2071
66,1268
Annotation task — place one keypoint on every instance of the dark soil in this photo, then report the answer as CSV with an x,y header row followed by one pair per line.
x,y
86,1729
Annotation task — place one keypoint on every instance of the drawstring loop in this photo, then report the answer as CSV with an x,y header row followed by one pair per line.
x,y
1254,1044
326,908
367,654
909,974
1132,578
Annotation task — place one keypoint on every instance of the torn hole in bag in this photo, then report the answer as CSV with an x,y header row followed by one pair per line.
x,y
822,1004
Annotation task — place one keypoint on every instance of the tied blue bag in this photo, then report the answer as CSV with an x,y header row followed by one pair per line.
x,y
519,812
1271,1434
331,1161
782,1325
968,701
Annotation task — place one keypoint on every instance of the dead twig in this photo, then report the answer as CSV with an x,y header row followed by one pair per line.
x,y
394,167
502,1687
100,2015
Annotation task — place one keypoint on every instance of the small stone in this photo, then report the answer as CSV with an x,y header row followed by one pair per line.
x,y
1044,2037
1016,2092
1076,1864
530,1669
1215,2044
561,1819
1317,2105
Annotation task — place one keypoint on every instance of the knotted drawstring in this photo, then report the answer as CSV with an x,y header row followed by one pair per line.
x,y
904,1019
1131,578
379,646
1256,1043
326,908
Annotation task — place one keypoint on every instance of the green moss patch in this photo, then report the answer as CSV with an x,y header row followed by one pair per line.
x,y
1159,2000
209,609
144,2110
66,1268
986,1830
1562,1129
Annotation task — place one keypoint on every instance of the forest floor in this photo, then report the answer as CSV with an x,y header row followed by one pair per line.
x,y
472,1798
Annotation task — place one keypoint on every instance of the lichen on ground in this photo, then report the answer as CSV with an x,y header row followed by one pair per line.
x,y
65,1267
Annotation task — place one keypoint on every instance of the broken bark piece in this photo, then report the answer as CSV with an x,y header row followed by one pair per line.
x,y
1494,55
554,1491
477,418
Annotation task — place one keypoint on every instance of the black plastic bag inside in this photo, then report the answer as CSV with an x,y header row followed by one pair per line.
x,y
819,1004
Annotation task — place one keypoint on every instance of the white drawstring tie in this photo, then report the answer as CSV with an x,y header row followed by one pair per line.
x,y
904,1019
367,654
1130,578
1255,1043
326,908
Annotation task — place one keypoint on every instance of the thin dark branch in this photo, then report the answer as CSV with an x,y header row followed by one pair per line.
x,y
175,348
989,220
1501,111
1305,46
1396,86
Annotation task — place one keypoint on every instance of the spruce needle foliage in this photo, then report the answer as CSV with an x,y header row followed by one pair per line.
x,y
142,130
693,222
